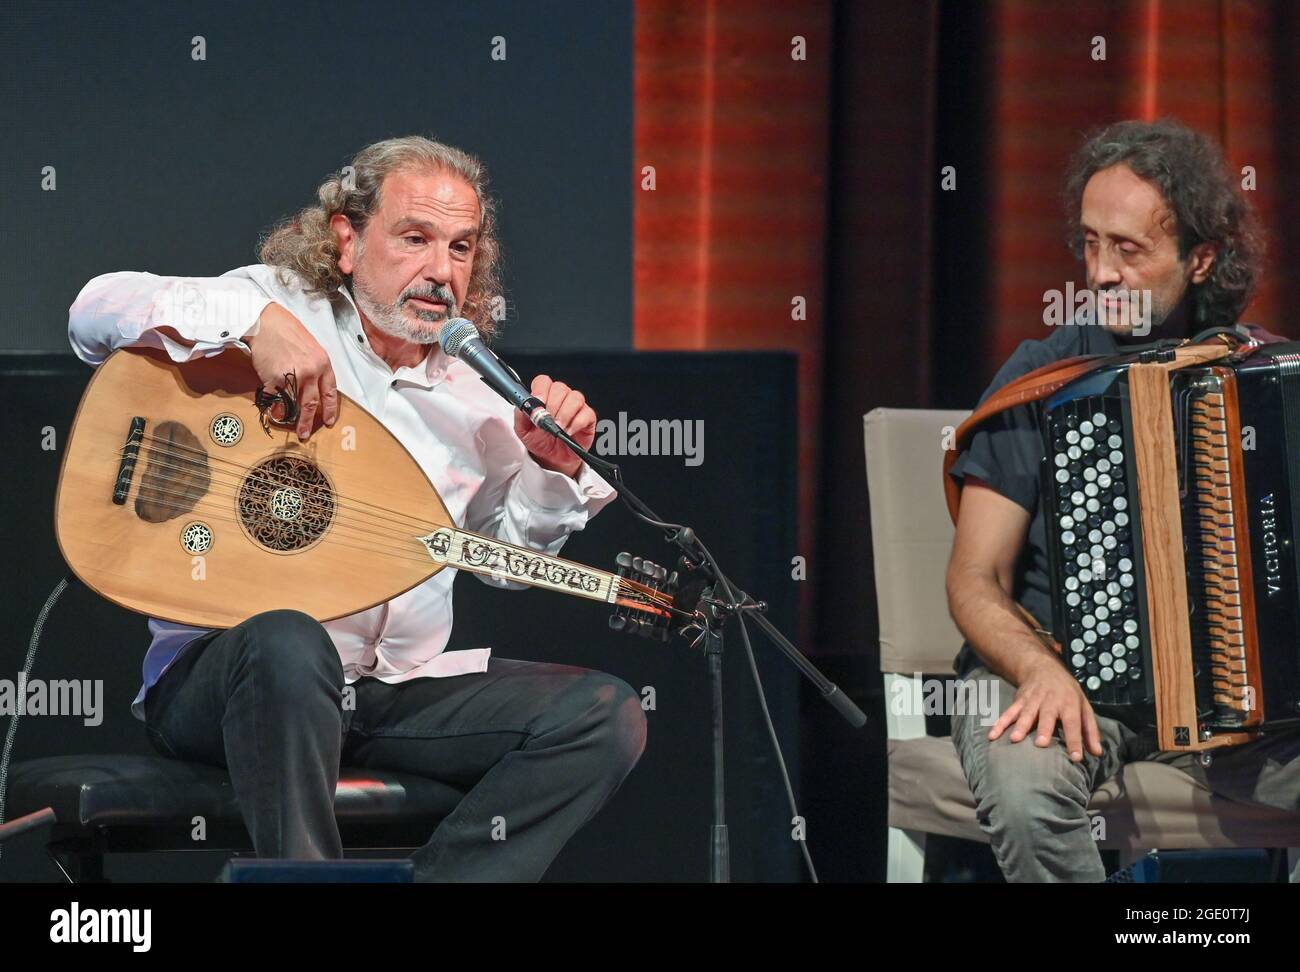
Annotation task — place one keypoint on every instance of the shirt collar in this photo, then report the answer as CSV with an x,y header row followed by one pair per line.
x,y
427,374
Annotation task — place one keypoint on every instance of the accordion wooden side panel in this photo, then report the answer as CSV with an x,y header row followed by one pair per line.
x,y
1156,465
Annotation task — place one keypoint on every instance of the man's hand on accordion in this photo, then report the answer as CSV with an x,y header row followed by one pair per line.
x,y
1048,694
991,532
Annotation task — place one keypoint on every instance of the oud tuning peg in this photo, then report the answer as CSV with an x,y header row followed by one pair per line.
x,y
623,561
672,581
617,622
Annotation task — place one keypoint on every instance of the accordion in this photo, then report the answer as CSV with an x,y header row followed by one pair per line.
x,y
1171,496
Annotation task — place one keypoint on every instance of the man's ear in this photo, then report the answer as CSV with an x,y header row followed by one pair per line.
x,y
1201,260
346,238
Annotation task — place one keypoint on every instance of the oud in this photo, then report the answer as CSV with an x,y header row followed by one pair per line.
x,y
167,463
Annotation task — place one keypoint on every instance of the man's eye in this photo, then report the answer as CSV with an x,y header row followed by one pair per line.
x,y
417,239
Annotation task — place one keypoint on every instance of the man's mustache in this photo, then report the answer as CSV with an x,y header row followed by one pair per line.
x,y
441,294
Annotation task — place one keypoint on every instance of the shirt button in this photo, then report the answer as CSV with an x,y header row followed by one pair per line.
x,y
360,339
225,334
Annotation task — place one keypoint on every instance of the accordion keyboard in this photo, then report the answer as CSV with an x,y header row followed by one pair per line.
x,y
1101,632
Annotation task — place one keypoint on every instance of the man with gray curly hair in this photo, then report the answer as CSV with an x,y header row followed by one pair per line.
x,y
349,297
1169,249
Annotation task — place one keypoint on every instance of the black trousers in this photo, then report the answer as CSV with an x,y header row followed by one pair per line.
x,y
539,748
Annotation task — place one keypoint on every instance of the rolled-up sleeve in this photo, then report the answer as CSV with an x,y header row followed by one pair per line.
x,y
127,308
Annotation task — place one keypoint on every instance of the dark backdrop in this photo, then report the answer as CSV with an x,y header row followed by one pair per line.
x,y
175,166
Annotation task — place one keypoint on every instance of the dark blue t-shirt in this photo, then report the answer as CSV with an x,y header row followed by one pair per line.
x,y
1007,451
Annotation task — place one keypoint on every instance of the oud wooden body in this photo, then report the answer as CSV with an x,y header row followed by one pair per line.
x,y
144,553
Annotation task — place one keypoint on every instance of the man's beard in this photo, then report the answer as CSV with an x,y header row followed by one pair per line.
x,y
388,317
1159,309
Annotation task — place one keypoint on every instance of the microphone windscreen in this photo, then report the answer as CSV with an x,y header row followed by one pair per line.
x,y
455,333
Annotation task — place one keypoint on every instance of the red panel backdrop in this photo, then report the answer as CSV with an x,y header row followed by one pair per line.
x,y
733,232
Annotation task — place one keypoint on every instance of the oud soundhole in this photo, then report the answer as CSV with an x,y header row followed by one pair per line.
x,y
176,476
286,503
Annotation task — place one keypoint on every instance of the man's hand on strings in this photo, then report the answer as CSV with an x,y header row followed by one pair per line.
x,y
282,345
574,415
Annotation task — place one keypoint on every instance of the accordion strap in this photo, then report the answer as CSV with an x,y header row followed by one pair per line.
x,y
1042,382
1037,384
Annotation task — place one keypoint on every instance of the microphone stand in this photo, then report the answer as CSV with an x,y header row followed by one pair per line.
x,y
719,602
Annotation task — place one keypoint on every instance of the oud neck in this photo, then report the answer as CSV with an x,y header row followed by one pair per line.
x,y
494,558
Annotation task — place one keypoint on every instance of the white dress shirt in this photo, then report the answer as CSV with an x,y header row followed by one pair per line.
x,y
459,431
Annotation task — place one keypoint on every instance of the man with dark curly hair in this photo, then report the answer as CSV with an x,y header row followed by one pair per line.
x,y
1169,248
350,297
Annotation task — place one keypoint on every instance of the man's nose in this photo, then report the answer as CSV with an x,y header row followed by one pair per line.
x,y
1108,272
437,268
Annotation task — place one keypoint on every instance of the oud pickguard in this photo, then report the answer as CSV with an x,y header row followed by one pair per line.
x,y
176,476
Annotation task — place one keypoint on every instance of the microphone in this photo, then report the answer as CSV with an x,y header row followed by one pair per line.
x,y
460,339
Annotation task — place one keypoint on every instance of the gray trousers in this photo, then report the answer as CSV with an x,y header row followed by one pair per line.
x,y
1033,802
537,748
